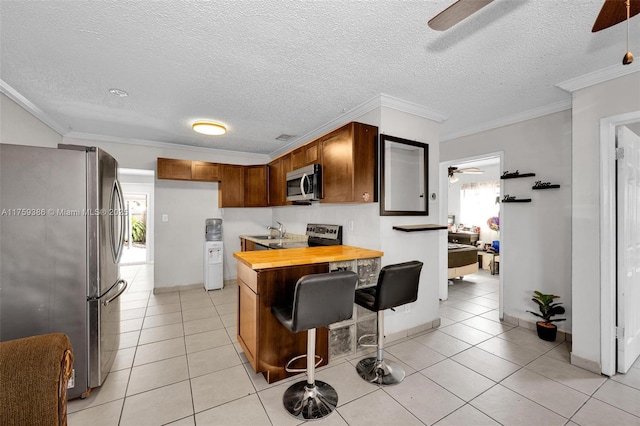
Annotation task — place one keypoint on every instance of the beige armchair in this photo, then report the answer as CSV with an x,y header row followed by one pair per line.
x,y
34,372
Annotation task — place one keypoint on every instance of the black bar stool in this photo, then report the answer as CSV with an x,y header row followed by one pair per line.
x,y
397,285
319,300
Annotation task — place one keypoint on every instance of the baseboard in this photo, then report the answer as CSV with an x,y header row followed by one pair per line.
x,y
587,364
160,290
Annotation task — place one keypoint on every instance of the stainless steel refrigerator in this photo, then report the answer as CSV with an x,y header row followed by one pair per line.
x,y
62,230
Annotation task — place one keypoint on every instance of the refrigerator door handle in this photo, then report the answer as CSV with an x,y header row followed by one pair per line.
x,y
117,211
124,284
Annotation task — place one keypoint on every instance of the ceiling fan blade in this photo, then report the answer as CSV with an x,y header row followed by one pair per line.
x,y
471,171
613,12
455,13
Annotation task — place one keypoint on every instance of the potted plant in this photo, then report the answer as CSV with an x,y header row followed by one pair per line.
x,y
548,308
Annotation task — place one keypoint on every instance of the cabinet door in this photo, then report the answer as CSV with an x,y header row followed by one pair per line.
x,y
231,189
297,158
169,168
277,183
248,322
255,181
305,155
337,166
312,153
204,171
365,167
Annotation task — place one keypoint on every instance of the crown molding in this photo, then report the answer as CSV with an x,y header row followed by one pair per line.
x,y
23,102
599,76
412,108
511,119
156,144
377,101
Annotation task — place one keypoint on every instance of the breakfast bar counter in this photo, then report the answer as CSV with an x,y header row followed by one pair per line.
x,y
266,259
269,277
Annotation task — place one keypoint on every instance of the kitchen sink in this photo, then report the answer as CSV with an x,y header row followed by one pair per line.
x,y
264,237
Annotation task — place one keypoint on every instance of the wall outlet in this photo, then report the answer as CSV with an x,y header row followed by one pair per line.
x,y
165,218
350,223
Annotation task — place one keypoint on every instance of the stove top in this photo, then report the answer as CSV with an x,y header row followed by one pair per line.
x,y
324,235
318,235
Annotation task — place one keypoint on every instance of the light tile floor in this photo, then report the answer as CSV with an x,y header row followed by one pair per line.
x,y
179,363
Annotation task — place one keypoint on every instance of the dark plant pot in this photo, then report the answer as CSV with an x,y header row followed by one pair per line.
x,y
546,331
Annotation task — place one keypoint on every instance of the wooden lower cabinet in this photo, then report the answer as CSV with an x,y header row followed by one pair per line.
x,y
268,344
248,322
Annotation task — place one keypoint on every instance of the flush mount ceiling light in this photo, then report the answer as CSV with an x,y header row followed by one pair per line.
x,y
118,92
209,128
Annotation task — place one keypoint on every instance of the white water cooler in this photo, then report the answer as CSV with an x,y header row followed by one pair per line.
x,y
213,255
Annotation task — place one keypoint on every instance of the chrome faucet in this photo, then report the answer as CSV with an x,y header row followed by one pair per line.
x,y
280,229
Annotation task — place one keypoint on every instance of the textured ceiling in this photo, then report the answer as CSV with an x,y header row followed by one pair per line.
x,y
271,67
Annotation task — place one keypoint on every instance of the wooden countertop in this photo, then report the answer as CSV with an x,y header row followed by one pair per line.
x,y
266,259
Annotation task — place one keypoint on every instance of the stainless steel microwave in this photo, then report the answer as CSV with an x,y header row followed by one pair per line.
x,y
305,184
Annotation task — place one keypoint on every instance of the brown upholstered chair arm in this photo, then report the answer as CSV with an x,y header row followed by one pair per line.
x,y
34,372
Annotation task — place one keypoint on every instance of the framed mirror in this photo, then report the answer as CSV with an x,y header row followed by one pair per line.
x,y
404,171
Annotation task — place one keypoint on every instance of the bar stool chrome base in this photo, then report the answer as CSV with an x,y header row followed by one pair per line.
x,y
310,402
380,372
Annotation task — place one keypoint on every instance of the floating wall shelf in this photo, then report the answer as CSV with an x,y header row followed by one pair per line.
x,y
544,185
511,199
415,228
515,175
518,200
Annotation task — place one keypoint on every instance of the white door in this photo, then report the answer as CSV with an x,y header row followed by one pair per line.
x,y
628,212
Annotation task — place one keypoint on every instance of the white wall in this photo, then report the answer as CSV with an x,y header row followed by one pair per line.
x,y
535,238
428,247
590,105
18,127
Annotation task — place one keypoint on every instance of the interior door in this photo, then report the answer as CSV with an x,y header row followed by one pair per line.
x,y
628,219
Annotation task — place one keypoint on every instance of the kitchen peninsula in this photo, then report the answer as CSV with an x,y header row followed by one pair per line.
x,y
268,277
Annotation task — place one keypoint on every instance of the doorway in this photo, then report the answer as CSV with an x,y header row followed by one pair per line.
x,y
138,191
617,329
470,199
135,248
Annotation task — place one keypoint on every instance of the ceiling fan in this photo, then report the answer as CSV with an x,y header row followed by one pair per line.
x,y
613,12
453,171
455,13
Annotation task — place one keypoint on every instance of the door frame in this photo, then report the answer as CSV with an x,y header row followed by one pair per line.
x,y
608,238
443,215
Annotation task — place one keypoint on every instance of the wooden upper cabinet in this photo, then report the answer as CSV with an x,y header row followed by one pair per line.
x,y
305,155
277,183
312,153
231,190
349,164
204,171
169,168
255,186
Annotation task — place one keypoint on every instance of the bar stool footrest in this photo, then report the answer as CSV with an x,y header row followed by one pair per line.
x,y
368,345
381,372
288,368
309,402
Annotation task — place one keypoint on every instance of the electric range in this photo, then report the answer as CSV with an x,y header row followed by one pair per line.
x,y
318,235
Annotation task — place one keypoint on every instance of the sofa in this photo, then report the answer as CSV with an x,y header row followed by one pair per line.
x,y
34,373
